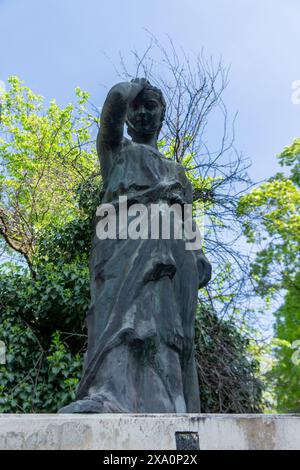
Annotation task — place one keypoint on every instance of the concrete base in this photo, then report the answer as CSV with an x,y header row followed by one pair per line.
x,y
148,432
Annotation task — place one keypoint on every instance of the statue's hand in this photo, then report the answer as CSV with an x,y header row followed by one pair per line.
x,y
142,82
137,85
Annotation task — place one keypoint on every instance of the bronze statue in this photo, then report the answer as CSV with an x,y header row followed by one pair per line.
x,y
140,356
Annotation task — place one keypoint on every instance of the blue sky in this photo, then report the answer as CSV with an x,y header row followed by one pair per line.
x,y
55,45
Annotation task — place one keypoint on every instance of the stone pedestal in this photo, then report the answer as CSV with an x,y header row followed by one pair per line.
x,y
149,432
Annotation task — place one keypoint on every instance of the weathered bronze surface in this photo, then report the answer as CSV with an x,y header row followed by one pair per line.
x,y
140,356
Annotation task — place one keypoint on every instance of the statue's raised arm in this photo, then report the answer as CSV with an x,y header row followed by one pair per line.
x,y
113,117
144,285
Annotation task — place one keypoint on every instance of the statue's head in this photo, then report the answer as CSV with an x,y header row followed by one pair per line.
x,y
146,112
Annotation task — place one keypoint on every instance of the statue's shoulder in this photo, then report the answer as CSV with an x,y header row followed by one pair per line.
x,y
123,146
126,142
177,165
126,145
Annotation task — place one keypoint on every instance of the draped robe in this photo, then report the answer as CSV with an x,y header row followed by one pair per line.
x,y
140,355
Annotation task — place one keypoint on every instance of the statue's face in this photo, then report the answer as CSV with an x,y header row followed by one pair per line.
x,y
144,113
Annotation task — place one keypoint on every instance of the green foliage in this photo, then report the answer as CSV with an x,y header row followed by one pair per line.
x,y
43,315
54,300
42,327
45,153
227,370
285,373
271,219
50,188
34,379
290,157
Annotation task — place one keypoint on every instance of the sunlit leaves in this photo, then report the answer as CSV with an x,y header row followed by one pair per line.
x,y
45,152
271,218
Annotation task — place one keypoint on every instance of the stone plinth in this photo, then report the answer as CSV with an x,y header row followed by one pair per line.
x,y
153,431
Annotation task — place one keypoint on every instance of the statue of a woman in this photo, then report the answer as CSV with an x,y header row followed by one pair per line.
x,y
140,356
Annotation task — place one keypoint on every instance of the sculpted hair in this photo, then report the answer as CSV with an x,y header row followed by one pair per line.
x,y
162,101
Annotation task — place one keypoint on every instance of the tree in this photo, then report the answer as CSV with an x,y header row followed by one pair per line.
x,y
193,87
50,307
228,372
271,219
45,153
42,323
285,373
